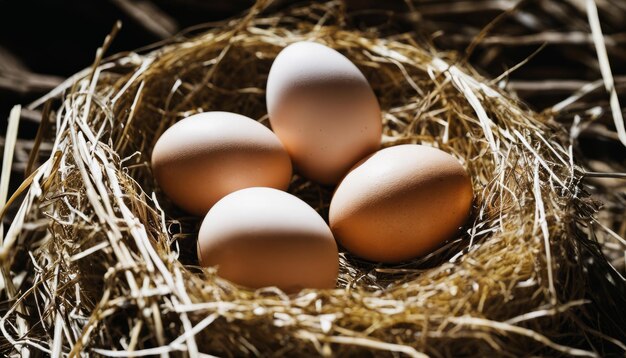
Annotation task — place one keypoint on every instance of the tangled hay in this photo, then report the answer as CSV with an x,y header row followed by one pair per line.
x,y
99,262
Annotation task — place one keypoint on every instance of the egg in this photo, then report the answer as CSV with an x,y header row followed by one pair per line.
x,y
400,203
323,110
206,156
261,237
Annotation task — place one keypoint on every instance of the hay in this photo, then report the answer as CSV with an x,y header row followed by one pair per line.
x,y
98,261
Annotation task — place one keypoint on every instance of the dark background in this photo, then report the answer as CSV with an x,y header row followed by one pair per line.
x,y
52,40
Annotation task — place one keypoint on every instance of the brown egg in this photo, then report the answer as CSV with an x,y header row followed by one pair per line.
x,y
202,158
323,110
261,237
400,203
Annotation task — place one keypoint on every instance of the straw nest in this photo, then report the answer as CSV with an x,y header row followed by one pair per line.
x,y
101,263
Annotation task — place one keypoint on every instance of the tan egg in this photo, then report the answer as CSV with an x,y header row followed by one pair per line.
x,y
204,157
261,237
400,203
323,110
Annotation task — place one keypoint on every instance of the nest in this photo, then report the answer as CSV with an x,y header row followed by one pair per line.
x,y
101,263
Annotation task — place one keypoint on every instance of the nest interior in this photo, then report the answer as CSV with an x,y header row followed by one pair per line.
x,y
110,262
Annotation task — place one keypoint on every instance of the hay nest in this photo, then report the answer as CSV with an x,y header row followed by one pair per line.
x,y
100,262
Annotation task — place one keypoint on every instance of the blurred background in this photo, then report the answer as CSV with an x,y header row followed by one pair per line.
x,y
44,42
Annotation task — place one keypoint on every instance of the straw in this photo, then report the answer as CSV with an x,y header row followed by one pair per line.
x,y
105,262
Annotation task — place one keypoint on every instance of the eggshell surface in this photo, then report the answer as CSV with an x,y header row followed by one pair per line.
x,y
323,110
400,203
204,157
261,237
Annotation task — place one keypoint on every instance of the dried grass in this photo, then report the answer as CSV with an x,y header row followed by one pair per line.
x,y
99,262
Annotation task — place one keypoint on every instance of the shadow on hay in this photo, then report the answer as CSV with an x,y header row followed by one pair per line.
x,y
115,260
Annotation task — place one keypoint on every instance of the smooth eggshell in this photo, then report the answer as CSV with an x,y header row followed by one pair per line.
x,y
323,110
400,203
261,237
204,157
